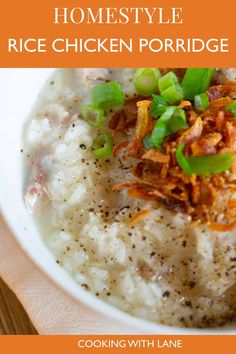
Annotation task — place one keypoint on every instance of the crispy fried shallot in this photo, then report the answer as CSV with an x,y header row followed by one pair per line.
x,y
141,214
119,146
231,136
192,133
157,175
141,125
155,156
222,227
232,203
206,145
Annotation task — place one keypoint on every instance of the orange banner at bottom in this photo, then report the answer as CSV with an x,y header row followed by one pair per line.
x,y
118,344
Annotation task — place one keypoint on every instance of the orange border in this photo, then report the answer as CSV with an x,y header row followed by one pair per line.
x,y
201,19
69,344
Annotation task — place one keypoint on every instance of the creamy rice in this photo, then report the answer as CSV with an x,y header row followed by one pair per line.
x,y
162,268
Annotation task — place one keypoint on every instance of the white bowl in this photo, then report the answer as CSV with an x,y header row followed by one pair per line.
x,y
18,91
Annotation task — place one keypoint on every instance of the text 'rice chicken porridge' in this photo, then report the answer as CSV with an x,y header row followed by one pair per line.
x,y
130,175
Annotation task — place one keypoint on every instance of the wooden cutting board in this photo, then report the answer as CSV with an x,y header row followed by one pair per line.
x,y
13,318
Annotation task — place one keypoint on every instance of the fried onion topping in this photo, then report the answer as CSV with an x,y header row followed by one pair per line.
x,y
157,175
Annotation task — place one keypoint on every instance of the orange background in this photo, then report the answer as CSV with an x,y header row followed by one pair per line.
x,y
68,344
202,19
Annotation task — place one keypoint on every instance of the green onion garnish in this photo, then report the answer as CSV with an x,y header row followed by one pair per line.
x,y
203,165
93,115
178,121
201,102
158,107
107,95
183,160
169,79
102,145
232,108
146,81
196,81
173,94
147,141
161,129
171,121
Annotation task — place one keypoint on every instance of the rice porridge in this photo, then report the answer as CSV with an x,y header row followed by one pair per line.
x,y
139,255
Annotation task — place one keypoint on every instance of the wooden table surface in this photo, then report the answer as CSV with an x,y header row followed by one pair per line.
x,y
13,318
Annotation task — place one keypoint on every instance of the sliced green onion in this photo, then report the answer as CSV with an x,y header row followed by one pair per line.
x,y
171,121
201,102
183,160
232,108
161,129
158,107
102,145
178,121
146,81
203,165
169,79
147,141
93,115
173,94
107,95
196,81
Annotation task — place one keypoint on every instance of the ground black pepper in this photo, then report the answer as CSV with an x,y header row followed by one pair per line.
x,y
166,294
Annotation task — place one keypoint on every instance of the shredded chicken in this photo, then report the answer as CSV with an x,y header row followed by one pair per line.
x,y
35,192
